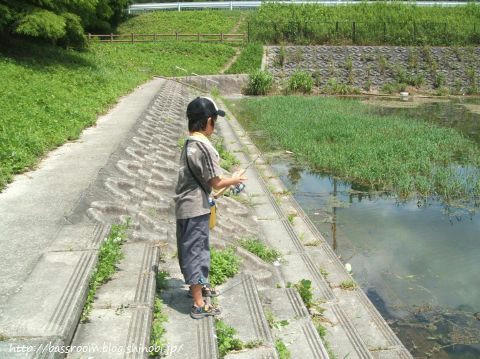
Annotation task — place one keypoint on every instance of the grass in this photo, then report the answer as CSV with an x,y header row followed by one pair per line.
x,y
157,339
348,284
227,159
110,254
49,95
282,350
273,322
224,264
404,24
226,340
343,138
260,249
167,22
250,60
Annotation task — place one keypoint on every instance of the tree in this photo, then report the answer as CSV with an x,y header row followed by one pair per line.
x,y
62,22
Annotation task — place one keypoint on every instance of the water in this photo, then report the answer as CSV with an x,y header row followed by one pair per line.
x,y
418,263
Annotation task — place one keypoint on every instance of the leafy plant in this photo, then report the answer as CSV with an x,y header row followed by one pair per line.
x,y
334,87
260,249
304,288
259,83
224,264
300,81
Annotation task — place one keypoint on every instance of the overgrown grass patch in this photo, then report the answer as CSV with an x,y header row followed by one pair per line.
x,y
379,23
343,138
224,264
110,254
250,59
260,249
49,95
168,22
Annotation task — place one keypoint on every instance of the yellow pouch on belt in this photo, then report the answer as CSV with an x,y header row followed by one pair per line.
x,y
213,216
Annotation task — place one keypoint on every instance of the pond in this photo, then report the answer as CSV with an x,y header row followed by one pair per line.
x,y
419,262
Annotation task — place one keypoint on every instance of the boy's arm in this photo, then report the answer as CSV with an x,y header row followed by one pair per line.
x,y
219,183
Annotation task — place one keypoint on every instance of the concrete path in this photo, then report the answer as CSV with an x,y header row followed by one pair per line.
x,y
41,205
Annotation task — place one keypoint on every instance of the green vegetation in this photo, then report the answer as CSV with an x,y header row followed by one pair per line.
x,y
224,264
227,159
157,334
157,339
291,217
304,288
109,255
282,350
273,322
260,249
61,22
300,81
249,61
343,138
80,86
379,23
348,284
3,337
227,342
339,88
259,83
168,22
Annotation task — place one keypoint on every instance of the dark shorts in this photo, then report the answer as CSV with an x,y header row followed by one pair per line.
x,y
194,248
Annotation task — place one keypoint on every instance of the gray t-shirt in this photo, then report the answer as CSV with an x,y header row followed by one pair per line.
x,y
191,200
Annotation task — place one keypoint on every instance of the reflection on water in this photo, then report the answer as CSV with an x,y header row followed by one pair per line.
x,y
419,267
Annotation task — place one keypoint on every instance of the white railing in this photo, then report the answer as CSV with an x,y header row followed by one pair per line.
x,y
230,5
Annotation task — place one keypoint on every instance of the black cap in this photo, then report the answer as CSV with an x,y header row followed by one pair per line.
x,y
203,107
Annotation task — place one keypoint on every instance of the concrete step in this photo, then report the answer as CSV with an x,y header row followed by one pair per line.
x,y
191,338
120,321
242,310
44,313
299,335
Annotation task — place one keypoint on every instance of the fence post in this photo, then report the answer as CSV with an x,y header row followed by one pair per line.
x,y
221,37
353,32
336,27
155,37
90,35
132,37
176,35
248,31
384,32
111,37
198,37
178,4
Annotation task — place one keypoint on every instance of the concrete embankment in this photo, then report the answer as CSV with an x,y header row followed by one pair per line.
x,y
126,167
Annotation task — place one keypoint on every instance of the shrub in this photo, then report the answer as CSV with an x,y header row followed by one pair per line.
x,y
259,83
300,81
282,350
334,87
394,87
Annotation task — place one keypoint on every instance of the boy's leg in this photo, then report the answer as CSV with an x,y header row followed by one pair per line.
x,y
196,290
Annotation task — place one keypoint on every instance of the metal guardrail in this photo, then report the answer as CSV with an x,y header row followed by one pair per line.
x,y
230,5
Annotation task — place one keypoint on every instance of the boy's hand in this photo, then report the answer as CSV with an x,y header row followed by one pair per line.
x,y
239,179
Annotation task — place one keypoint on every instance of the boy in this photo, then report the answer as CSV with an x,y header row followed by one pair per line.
x,y
199,172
